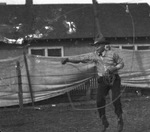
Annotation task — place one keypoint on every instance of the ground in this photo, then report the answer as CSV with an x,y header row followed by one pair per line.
x,y
76,117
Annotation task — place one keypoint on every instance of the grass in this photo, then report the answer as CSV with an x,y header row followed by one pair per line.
x,y
81,117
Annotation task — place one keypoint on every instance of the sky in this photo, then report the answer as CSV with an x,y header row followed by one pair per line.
x,y
73,1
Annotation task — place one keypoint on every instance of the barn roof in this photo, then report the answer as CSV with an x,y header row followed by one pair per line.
x,y
63,21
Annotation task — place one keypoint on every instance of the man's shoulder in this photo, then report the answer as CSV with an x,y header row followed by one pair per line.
x,y
111,52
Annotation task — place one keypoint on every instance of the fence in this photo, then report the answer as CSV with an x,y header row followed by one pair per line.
x,y
86,90
40,78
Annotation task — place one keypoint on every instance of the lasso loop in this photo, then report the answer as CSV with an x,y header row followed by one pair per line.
x,y
108,79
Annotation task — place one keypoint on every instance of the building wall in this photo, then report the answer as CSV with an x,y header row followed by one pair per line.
x,y
77,47
81,46
10,51
70,47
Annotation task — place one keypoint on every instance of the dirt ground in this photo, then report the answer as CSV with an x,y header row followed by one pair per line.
x,y
78,117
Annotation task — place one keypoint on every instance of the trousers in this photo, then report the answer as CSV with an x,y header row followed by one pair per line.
x,y
102,92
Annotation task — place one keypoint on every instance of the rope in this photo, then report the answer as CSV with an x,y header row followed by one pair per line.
x,y
90,5
91,109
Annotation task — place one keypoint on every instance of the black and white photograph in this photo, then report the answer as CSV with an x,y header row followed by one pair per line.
x,y
74,66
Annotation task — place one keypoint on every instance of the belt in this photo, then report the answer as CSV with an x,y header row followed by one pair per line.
x,y
109,79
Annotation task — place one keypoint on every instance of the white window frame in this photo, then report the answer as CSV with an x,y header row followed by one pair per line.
x,y
135,46
46,50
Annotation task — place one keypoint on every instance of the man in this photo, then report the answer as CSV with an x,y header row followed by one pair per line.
x,y
108,63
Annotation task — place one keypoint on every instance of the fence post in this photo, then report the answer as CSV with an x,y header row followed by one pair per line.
x,y
28,77
20,92
88,92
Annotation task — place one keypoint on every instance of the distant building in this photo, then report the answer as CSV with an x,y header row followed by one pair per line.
x,y
62,29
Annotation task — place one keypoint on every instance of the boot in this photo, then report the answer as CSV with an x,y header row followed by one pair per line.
x,y
120,124
104,123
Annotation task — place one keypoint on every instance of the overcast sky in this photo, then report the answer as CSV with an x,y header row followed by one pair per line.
x,y
73,1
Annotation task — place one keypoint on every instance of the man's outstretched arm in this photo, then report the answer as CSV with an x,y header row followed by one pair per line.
x,y
82,59
65,60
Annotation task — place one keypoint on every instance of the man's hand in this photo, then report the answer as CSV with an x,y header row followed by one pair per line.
x,y
64,61
112,69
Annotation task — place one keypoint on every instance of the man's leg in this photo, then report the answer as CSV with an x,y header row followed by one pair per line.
x,y
101,93
116,95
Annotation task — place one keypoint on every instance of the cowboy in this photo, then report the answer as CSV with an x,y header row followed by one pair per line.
x,y
107,63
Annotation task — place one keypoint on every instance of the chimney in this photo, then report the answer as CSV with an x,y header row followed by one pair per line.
x,y
29,2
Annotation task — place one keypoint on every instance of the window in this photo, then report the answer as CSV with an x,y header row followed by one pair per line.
x,y
38,52
133,47
143,47
54,52
128,47
115,46
46,51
